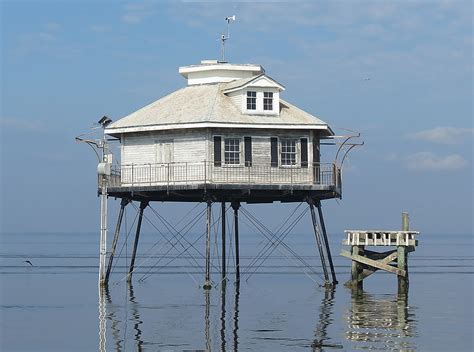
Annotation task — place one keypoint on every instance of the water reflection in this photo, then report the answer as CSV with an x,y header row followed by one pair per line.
x,y
223,321
114,321
236,316
135,318
381,323
321,338
102,321
373,322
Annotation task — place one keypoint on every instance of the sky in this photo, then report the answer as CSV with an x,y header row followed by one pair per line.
x,y
400,73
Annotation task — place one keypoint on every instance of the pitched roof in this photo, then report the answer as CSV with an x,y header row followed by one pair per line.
x,y
241,83
206,106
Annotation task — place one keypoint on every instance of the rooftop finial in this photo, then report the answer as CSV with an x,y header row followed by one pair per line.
x,y
224,37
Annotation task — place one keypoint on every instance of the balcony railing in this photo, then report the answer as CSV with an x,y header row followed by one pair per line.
x,y
324,174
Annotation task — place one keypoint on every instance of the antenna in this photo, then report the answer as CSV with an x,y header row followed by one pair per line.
x,y
224,37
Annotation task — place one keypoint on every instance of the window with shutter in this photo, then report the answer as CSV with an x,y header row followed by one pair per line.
x,y
304,152
217,151
274,151
248,151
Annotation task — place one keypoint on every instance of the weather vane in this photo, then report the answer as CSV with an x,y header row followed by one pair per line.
x,y
225,37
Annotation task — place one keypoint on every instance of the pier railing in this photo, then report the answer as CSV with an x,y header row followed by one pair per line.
x,y
325,174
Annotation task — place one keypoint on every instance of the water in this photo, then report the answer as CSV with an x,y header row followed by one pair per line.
x,y
55,306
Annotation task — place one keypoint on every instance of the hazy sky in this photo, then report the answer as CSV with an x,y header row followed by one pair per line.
x,y
398,72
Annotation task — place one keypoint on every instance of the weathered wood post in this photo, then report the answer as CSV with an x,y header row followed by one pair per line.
x,y
207,281
143,205
402,256
356,269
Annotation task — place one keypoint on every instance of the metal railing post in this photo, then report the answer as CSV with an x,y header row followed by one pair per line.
x,y
133,177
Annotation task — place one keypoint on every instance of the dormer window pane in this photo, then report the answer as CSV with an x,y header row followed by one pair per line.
x,y
267,101
251,100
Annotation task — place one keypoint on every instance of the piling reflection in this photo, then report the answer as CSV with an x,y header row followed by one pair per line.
x,y
115,322
381,323
102,320
321,338
135,318
207,328
223,323
235,330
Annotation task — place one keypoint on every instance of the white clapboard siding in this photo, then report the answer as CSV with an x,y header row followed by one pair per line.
x,y
186,147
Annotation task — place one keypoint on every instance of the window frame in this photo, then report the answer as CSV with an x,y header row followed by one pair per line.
x,y
268,101
295,153
223,151
251,100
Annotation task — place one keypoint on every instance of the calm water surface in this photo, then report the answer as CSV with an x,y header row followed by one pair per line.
x,y
55,305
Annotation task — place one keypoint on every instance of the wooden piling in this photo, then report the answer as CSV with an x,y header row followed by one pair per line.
x,y
356,268
402,257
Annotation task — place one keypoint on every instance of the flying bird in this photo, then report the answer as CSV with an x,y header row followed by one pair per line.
x,y
27,261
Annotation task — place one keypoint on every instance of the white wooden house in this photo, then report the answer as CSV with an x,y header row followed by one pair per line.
x,y
228,127
227,136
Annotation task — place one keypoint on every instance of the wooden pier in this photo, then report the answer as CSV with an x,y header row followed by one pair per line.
x,y
366,262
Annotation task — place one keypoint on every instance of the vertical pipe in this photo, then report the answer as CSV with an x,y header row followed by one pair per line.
x,y
103,230
402,260
207,281
223,240
123,204
236,206
143,205
318,241
326,243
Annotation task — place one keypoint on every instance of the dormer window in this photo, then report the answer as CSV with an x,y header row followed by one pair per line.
x,y
251,100
267,101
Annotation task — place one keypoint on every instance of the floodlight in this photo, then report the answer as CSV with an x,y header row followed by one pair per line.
x,y
105,121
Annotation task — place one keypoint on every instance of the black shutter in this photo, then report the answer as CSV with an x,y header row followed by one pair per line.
x,y
248,151
316,151
304,152
274,151
217,151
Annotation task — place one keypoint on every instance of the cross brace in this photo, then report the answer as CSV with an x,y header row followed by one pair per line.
x,y
382,264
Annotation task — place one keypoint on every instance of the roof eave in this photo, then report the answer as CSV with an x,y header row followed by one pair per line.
x,y
195,125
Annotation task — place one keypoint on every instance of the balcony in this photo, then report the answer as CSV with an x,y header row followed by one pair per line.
x,y
152,178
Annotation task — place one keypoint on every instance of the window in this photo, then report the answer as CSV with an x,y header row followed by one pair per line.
x,y
267,101
232,151
288,152
251,100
